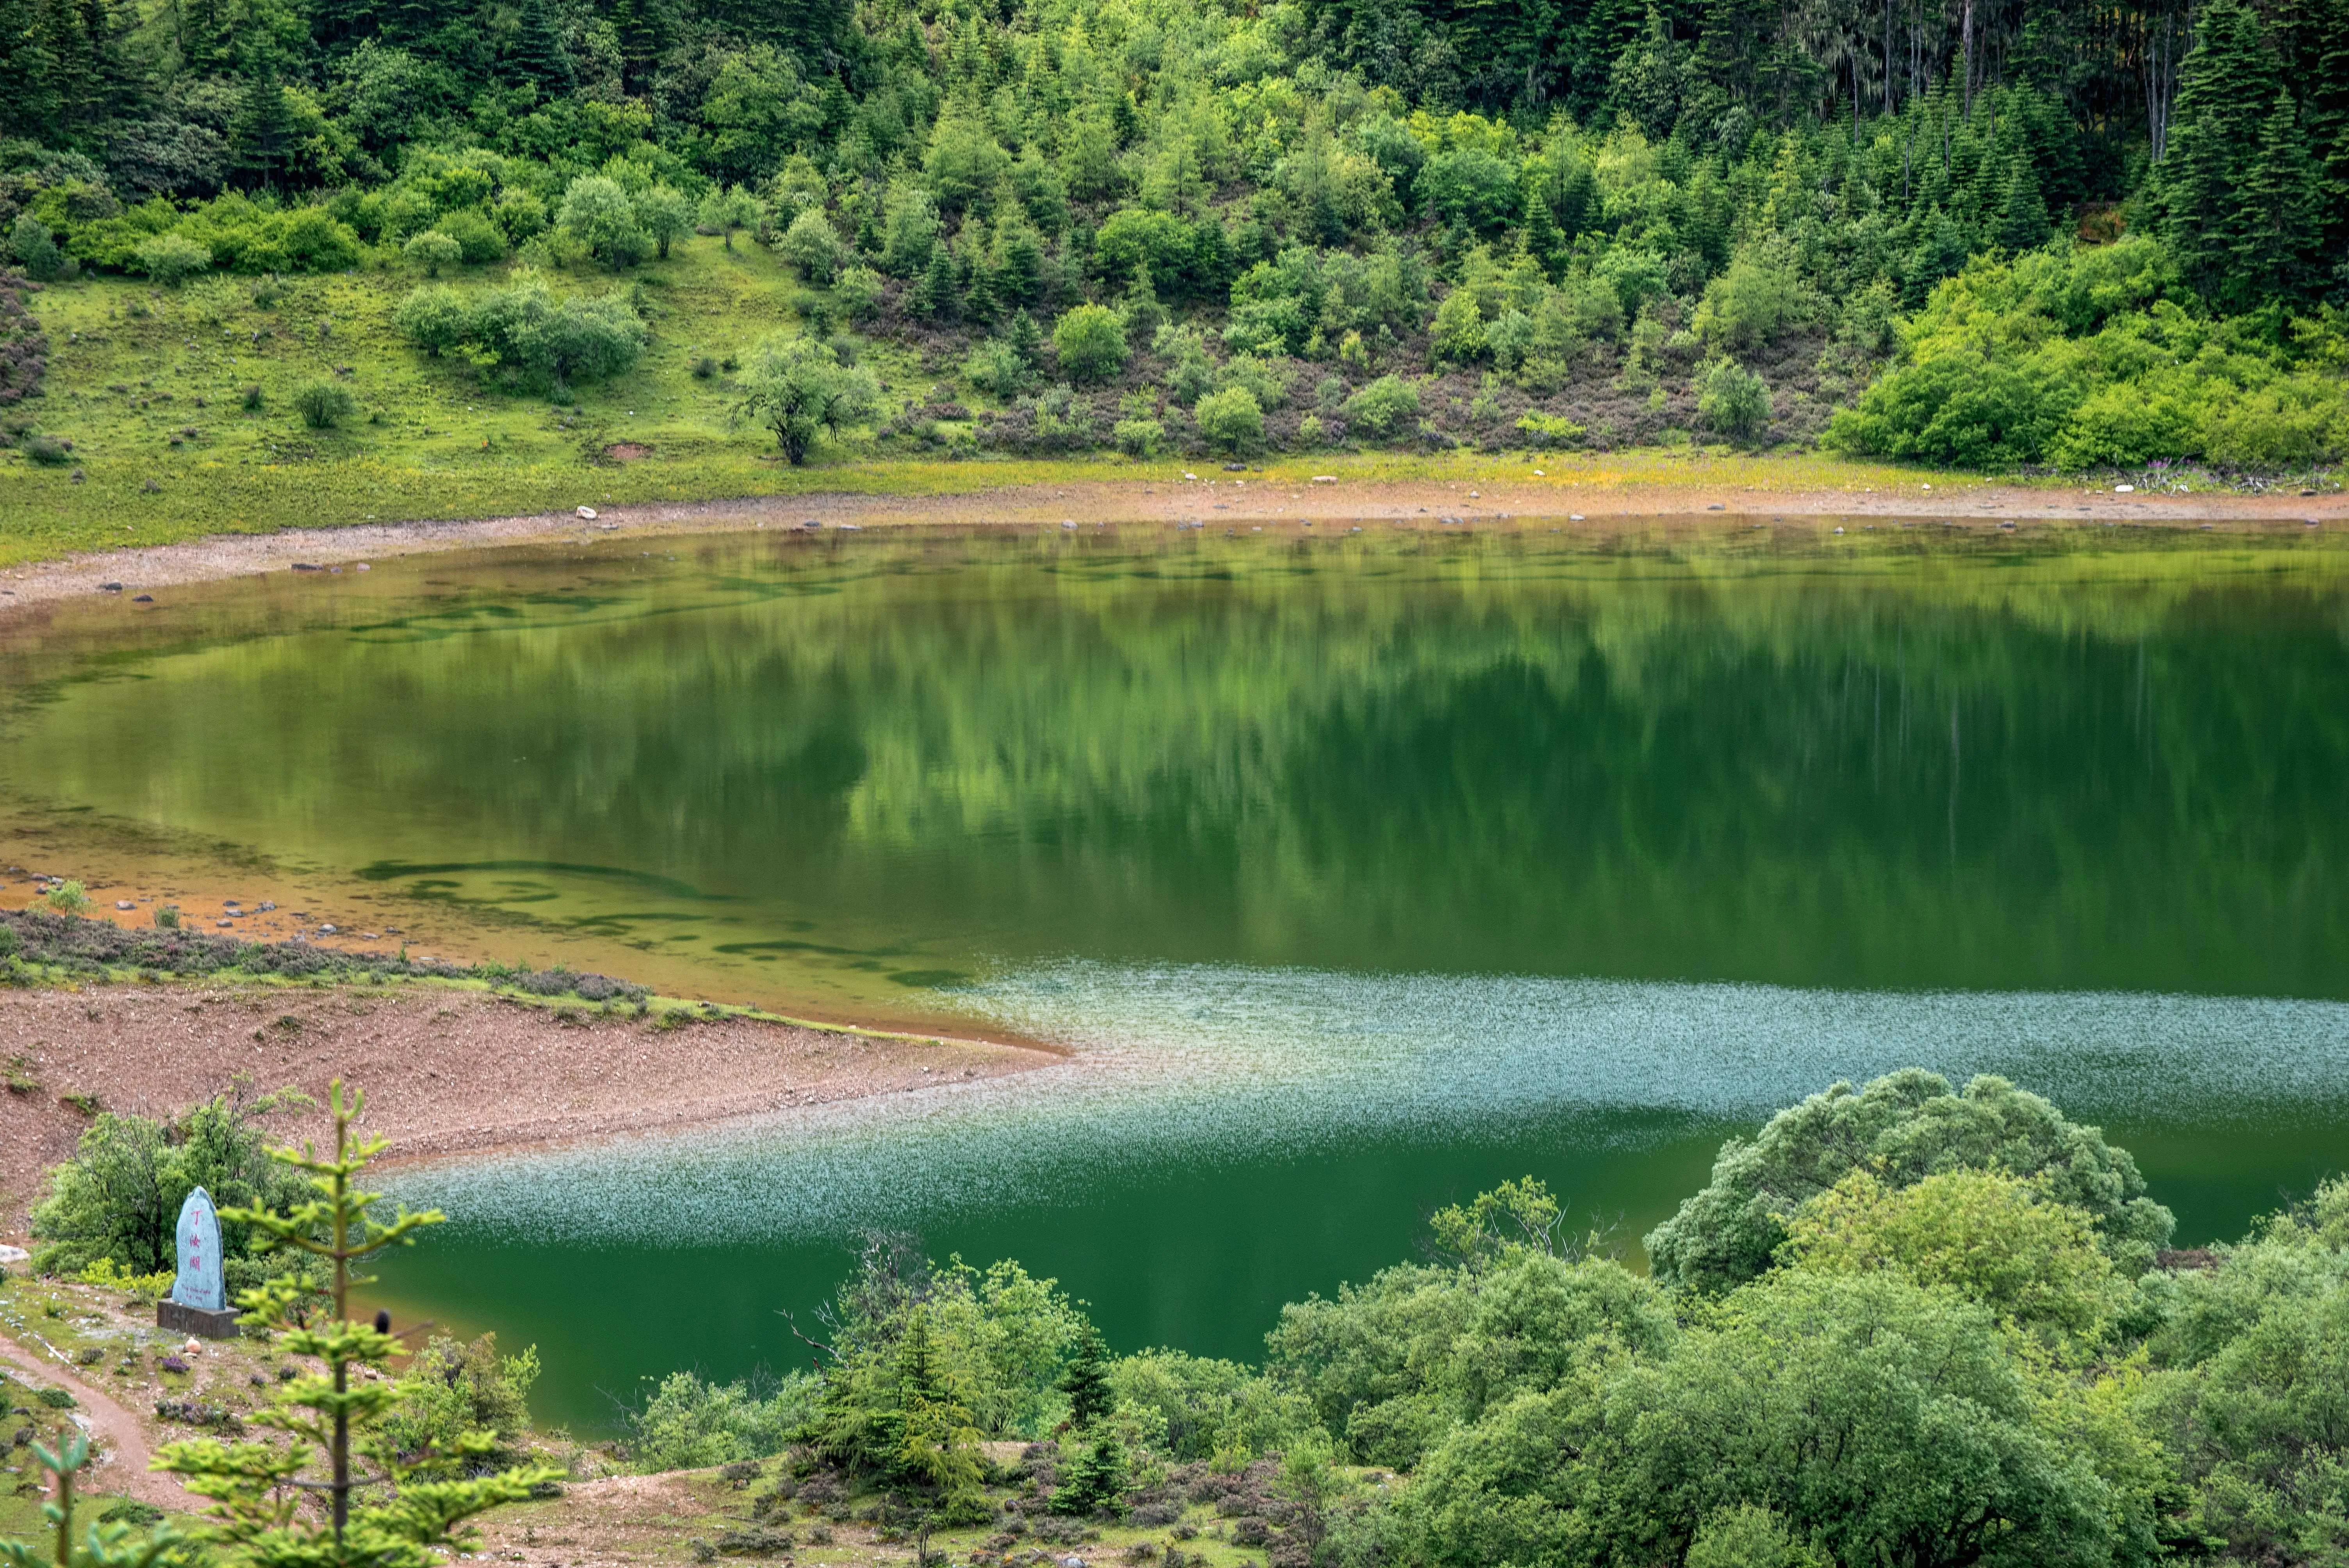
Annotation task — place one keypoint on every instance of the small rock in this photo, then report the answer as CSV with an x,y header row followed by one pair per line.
x,y
307,566
327,930
589,513
144,599
109,587
1066,523
1574,517
1325,478
267,907
1716,506
195,1346
1839,531
362,566
2125,490
224,921
124,903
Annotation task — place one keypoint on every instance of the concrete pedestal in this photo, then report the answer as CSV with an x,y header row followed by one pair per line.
x,y
196,1320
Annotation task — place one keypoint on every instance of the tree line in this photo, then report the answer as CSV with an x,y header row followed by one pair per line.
x,y
1597,221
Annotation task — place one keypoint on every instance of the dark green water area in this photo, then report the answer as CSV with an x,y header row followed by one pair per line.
x,y
1361,872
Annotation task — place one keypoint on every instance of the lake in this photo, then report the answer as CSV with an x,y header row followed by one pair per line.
x,y
1362,870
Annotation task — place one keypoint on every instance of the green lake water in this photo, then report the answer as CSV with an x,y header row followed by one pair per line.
x,y
1360,871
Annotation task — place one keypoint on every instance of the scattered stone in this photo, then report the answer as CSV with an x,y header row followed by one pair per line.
x,y
307,566
589,513
124,903
1325,478
109,587
144,599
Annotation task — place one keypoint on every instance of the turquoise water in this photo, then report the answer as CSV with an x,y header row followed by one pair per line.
x,y
1359,874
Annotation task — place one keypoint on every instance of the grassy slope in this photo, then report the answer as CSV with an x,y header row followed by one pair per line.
x,y
133,367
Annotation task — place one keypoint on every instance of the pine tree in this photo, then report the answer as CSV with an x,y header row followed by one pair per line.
x,y
261,140
1086,1382
934,294
327,1415
2021,221
1538,235
2226,94
538,56
1026,338
2282,227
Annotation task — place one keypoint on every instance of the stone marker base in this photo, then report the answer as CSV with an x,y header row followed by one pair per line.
x,y
184,1319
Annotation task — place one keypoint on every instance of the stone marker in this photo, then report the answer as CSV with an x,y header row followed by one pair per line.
x,y
199,1300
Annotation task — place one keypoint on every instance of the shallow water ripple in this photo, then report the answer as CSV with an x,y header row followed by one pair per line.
x,y
1207,1063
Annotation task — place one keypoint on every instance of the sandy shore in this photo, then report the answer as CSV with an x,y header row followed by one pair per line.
x,y
445,1072
1515,491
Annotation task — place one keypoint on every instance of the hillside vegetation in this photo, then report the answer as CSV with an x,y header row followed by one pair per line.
x,y
449,254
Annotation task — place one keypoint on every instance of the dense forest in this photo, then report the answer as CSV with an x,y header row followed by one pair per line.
x,y
1977,232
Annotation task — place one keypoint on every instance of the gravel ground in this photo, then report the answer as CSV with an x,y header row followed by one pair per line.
x,y
446,1072
1514,492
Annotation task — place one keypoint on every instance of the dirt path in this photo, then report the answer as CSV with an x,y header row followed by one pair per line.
x,y
124,1449
1514,490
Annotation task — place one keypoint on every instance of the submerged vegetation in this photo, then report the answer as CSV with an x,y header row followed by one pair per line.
x,y
461,243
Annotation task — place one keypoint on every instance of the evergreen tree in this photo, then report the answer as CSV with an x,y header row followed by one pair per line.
x,y
1026,338
1086,1383
2282,227
2022,219
934,291
538,57
2226,94
1538,235
261,140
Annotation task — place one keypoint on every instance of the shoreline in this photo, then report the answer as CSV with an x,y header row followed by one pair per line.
x,y
448,1073
1255,497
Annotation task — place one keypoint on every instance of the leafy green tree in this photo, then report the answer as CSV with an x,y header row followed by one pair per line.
x,y
1991,1236
813,245
798,389
1905,1127
1732,399
1384,406
729,207
598,214
433,250
1231,419
331,1418
1090,343
118,1198
664,213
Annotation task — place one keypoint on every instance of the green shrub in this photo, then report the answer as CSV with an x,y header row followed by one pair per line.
x,y
119,1197
324,405
1954,407
1139,438
1265,381
1459,331
1732,399
1384,407
433,250
798,389
996,367
452,1387
250,398
858,292
2123,424
1231,419
170,259
1549,430
35,249
690,1424
167,917
438,320
479,239
1090,343
597,213
48,451
813,246
68,898
1749,304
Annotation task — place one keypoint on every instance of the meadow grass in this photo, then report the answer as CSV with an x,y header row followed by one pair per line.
x,y
150,386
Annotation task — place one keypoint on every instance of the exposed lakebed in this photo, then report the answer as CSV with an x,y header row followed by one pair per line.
x,y
1360,871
